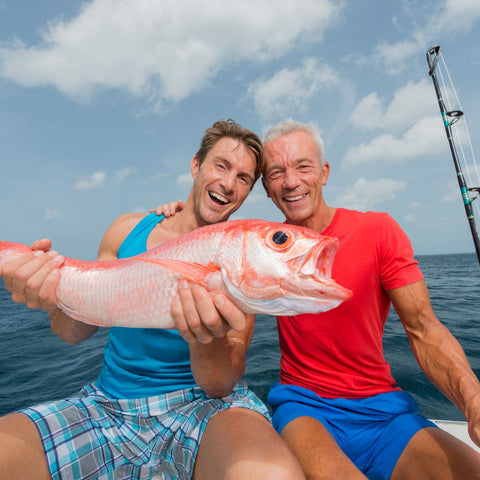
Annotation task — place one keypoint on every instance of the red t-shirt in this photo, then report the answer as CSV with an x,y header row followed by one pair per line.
x,y
339,353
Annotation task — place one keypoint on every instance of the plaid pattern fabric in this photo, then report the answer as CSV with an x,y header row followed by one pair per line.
x,y
94,437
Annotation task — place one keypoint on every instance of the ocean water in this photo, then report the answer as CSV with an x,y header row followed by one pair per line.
x,y
35,366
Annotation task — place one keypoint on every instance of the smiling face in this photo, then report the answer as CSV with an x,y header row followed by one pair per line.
x,y
222,181
294,177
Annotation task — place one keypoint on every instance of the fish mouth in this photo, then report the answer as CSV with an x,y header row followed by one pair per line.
x,y
313,270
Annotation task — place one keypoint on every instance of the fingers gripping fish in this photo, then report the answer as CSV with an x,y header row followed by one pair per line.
x,y
263,267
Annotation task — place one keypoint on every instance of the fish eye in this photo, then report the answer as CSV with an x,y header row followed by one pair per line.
x,y
279,239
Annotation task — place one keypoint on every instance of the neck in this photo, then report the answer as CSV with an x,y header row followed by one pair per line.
x,y
184,221
319,221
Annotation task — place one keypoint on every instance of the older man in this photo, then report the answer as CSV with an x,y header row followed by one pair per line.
x,y
337,405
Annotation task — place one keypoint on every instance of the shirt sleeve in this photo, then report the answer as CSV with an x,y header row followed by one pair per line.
x,y
398,266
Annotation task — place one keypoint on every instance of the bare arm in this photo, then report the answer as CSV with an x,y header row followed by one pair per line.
x,y
32,279
438,352
217,347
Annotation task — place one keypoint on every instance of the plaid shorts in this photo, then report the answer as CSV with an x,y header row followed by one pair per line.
x,y
95,437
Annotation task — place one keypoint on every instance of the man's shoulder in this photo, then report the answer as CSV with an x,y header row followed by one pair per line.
x,y
348,222
368,216
116,234
128,220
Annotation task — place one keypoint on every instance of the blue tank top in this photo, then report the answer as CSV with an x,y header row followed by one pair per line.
x,y
143,362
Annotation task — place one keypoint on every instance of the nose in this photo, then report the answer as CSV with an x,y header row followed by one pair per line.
x,y
228,181
290,179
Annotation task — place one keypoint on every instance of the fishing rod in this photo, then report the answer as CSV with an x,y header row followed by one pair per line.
x,y
450,118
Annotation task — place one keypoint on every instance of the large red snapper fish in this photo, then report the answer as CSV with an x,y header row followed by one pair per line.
x,y
263,267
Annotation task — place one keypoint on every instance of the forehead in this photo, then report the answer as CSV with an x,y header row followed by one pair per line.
x,y
292,147
234,152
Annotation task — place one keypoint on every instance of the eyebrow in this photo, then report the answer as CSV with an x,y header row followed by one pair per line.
x,y
304,160
297,161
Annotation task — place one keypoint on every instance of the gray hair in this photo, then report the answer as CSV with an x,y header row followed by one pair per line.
x,y
288,126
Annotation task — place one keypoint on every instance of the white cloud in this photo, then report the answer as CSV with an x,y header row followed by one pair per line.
x,y
459,15
290,90
97,180
139,209
185,180
366,194
121,175
156,177
413,101
416,205
411,218
161,51
257,197
52,214
414,208
393,57
456,16
451,193
424,138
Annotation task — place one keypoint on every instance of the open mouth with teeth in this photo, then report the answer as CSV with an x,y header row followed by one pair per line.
x,y
295,198
217,198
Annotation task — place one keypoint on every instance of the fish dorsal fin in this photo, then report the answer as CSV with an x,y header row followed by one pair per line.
x,y
191,270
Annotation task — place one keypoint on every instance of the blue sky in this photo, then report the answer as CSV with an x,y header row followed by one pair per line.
x,y
103,104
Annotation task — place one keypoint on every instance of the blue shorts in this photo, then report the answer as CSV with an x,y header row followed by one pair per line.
x,y
373,432
94,437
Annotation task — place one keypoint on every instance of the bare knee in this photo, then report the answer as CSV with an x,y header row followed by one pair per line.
x,y
434,453
338,474
278,469
240,444
19,440
318,452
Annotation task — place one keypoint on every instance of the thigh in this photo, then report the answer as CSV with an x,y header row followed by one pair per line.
x,y
317,450
21,450
241,443
434,454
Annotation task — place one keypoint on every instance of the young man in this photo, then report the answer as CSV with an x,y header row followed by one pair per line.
x,y
337,405
164,406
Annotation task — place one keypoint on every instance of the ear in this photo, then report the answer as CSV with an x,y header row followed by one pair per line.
x,y
264,183
325,173
194,166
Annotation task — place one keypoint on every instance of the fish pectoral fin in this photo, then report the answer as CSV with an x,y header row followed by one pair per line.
x,y
191,270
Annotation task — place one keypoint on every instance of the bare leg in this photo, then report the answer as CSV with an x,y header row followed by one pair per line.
x,y
241,444
21,451
318,452
435,454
